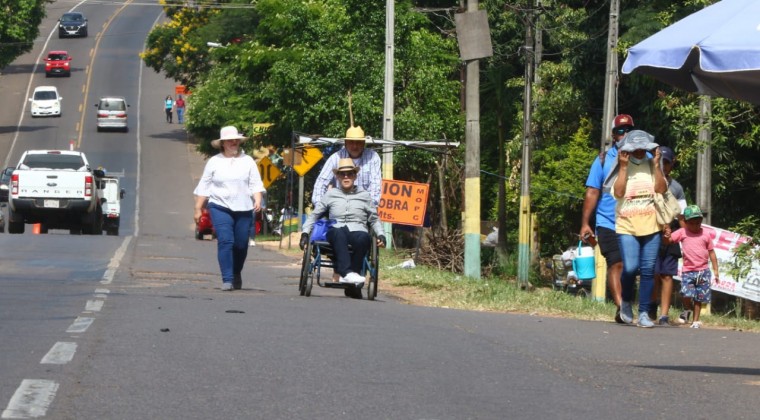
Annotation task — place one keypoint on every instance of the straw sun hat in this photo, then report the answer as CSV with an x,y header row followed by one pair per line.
x,y
229,132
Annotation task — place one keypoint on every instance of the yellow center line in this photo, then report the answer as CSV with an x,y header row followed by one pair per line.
x,y
93,53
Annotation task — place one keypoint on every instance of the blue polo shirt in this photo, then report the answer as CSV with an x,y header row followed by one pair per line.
x,y
605,208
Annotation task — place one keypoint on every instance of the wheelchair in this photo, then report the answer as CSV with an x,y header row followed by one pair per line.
x,y
319,254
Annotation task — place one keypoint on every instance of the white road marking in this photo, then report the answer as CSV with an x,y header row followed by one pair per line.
x,y
60,354
94,305
115,261
32,399
102,291
80,325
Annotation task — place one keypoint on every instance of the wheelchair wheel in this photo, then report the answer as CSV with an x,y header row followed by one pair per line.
x,y
374,271
306,272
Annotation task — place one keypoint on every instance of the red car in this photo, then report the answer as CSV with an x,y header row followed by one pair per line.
x,y
58,63
204,226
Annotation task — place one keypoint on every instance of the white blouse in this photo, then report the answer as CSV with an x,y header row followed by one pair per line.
x,y
230,182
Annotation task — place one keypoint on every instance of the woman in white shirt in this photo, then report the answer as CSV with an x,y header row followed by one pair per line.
x,y
232,186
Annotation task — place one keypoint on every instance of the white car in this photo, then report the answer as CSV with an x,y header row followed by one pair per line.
x,y
112,113
46,101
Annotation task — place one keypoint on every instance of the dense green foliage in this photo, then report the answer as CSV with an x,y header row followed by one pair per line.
x,y
293,63
19,26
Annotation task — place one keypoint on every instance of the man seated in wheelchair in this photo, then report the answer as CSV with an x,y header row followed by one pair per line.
x,y
352,210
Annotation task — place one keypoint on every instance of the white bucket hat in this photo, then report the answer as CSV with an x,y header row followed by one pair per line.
x,y
229,132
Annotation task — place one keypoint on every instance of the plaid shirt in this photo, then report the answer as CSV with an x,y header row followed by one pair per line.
x,y
369,177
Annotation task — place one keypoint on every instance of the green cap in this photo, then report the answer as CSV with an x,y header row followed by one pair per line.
x,y
692,212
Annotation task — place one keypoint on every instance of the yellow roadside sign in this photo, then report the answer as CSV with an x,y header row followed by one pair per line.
x,y
305,159
269,172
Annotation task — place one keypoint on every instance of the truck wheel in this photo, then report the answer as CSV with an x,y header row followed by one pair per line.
x,y
15,227
114,231
93,223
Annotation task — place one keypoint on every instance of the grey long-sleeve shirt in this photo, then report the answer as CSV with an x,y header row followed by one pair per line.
x,y
353,209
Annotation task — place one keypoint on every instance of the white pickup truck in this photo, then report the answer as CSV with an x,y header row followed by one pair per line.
x,y
58,190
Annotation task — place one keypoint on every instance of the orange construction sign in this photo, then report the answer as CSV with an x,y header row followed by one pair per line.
x,y
403,203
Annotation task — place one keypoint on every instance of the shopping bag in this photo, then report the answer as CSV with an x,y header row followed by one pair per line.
x,y
320,228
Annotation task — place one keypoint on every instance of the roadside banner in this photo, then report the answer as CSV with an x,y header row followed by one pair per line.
x,y
403,202
725,243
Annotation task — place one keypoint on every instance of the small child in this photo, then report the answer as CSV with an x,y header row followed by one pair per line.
x,y
697,248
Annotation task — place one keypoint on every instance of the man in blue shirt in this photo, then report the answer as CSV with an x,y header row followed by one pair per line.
x,y
603,204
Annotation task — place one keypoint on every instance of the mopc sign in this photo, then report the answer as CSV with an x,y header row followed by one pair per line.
x,y
403,202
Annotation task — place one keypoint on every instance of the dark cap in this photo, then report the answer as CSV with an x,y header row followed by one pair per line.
x,y
667,154
622,120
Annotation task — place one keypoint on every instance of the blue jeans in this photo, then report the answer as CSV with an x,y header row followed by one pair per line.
x,y
180,115
346,262
639,256
232,229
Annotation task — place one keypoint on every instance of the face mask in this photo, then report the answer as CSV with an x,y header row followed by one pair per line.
x,y
634,160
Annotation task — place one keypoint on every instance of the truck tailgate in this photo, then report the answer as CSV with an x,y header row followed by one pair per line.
x,y
52,184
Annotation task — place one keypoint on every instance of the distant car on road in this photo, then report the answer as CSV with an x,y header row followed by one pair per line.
x,y
58,63
45,101
112,113
72,24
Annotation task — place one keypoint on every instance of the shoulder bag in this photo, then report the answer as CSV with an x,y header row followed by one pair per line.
x,y
666,207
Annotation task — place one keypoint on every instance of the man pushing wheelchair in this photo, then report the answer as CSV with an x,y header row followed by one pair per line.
x,y
352,211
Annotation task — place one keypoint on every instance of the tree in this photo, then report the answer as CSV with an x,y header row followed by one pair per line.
x,y
19,26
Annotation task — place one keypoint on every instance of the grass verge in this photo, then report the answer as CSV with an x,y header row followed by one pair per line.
x,y
427,286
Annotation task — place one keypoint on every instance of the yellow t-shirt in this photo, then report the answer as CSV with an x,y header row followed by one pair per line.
x,y
635,213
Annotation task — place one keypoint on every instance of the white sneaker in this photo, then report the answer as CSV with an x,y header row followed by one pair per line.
x,y
343,280
355,278
251,242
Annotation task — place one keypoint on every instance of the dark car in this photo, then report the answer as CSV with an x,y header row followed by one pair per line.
x,y
72,24
5,182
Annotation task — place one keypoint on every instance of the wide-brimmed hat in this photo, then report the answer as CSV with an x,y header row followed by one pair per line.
x,y
637,140
355,133
229,132
346,165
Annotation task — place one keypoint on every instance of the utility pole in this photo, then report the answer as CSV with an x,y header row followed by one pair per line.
x,y
472,166
599,285
388,106
525,230
611,77
474,39
704,158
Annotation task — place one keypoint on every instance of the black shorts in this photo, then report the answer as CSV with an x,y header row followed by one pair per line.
x,y
608,244
666,265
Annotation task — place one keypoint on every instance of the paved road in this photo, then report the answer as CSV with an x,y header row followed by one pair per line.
x,y
165,343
